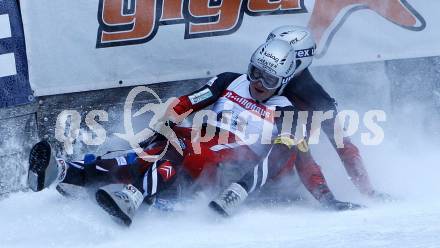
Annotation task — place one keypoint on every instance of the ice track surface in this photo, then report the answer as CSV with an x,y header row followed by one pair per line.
x,y
408,171
47,219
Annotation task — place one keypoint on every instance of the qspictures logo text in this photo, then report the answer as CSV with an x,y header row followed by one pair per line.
x,y
347,123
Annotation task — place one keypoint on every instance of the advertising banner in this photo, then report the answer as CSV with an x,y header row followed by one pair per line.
x,y
14,83
94,44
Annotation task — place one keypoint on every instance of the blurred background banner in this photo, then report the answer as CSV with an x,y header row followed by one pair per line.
x,y
14,83
86,45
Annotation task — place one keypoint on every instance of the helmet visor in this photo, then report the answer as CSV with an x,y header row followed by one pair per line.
x,y
269,81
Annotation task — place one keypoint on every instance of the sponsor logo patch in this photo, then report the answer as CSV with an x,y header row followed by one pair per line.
x,y
267,65
300,36
287,79
121,161
124,22
167,171
270,55
305,53
250,105
200,96
128,22
131,192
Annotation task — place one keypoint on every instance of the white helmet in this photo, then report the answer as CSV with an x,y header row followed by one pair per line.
x,y
273,63
301,39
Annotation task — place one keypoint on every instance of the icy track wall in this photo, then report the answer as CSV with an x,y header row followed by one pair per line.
x,y
18,127
407,90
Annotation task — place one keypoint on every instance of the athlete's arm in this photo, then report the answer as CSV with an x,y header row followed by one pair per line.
x,y
206,95
307,94
309,172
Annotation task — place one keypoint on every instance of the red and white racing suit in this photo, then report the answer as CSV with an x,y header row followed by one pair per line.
x,y
238,117
229,93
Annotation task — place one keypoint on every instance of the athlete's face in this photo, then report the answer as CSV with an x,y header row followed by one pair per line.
x,y
258,91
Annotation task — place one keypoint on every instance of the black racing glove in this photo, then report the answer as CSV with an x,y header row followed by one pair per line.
x,y
329,201
342,206
380,196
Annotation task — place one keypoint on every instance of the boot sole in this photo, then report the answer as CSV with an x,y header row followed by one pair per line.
x,y
39,159
109,205
218,209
